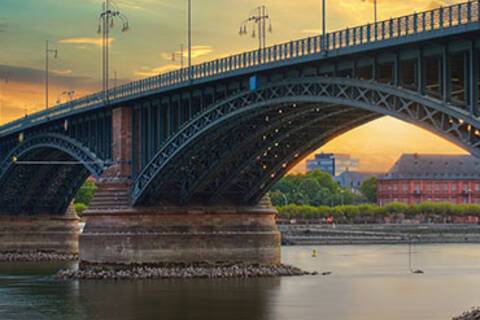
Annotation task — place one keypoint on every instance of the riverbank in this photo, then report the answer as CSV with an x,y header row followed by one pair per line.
x,y
379,234
470,315
36,256
181,272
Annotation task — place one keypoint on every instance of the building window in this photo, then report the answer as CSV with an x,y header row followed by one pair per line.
x,y
437,187
405,187
454,187
477,187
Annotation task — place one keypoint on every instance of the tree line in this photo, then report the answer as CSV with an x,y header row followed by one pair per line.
x,y
317,188
371,213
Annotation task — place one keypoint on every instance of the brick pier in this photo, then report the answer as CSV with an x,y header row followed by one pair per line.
x,y
116,233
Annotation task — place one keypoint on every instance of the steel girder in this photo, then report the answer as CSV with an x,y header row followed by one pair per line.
x,y
201,183
290,159
50,169
443,119
277,151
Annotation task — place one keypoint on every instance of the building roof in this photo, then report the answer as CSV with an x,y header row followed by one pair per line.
x,y
415,166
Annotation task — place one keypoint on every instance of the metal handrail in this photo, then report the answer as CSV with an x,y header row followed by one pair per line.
x,y
394,28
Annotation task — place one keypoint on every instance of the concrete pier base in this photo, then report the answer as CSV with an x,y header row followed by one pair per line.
x,y
26,234
181,236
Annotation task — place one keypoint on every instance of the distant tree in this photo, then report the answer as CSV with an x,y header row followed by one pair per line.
x,y
86,193
316,188
369,189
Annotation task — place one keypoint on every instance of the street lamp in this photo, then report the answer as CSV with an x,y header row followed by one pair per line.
x,y
189,39
180,56
259,17
106,23
374,10
324,24
69,94
5,78
48,52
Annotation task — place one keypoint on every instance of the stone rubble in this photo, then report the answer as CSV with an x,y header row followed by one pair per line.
x,y
36,256
474,314
181,272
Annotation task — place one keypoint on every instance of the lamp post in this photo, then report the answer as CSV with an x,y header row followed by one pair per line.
x,y
189,39
69,94
5,78
259,18
324,24
106,23
374,10
180,56
48,52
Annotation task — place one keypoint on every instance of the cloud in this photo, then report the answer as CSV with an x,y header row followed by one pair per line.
x,y
312,31
150,72
197,51
35,76
62,72
85,41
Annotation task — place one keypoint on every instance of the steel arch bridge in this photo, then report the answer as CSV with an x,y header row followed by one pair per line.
x,y
46,186
224,131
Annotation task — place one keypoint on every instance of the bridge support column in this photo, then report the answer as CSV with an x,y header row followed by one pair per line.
x,y
161,236
43,233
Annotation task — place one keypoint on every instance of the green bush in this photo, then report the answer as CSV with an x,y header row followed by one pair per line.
x,y
86,193
80,208
370,213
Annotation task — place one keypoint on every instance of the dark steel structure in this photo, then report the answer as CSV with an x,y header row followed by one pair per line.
x,y
225,131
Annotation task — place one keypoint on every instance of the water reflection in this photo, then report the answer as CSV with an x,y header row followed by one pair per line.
x,y
368,283
186,299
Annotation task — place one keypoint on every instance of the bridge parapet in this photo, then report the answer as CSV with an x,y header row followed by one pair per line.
x,y
440,22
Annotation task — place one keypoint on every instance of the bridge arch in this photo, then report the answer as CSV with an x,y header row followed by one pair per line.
x,y
43,173
322,107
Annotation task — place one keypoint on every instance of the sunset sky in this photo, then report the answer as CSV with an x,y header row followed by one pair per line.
x,y
158,27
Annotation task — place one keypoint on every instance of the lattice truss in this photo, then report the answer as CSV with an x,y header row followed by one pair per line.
x,y
238,148
48,171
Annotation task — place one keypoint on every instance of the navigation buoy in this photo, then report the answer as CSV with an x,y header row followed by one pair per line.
x,y
314,253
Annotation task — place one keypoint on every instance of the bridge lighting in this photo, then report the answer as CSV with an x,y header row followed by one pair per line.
x,y
374,10
258,18
69,93
5,79
48,52
179,55
190,39
106,23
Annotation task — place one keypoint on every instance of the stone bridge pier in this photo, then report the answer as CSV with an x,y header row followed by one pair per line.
x,y
40,233
118,233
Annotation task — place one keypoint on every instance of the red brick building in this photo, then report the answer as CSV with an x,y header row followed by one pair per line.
x,y
438,178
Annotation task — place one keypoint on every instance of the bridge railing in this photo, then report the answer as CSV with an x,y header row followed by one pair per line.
x,y
395,28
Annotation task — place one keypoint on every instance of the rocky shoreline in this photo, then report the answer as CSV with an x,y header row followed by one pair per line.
x,y
181,272
36,256
474,314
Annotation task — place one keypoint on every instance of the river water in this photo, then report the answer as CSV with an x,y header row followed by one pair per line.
x,y
367,283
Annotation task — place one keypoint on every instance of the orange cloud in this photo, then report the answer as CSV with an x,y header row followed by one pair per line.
x,y
85,40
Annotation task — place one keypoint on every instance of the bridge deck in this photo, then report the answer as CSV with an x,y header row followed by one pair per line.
x,y
440,22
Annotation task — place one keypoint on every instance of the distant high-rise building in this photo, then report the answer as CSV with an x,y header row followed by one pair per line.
x,y
353,179
332,163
